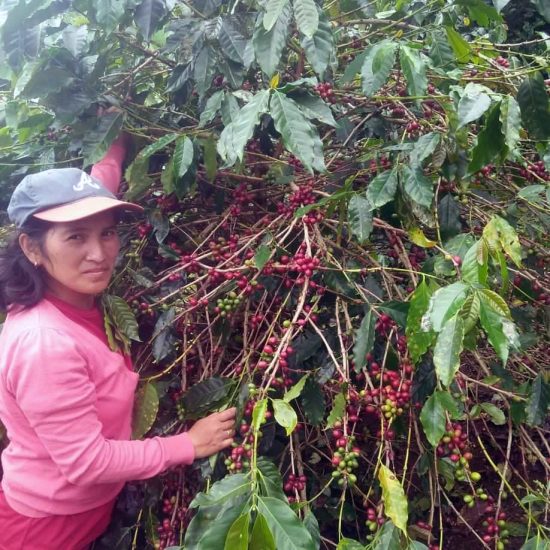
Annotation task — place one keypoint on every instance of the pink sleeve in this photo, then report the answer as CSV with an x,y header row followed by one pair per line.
x,y
66,422
109,170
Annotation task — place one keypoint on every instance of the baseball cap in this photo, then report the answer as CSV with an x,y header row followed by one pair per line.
x,y
62,195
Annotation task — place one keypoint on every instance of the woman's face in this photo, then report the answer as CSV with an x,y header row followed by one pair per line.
x,y
78,258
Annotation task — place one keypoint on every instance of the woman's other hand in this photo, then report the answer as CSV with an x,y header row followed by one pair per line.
x,y
213,433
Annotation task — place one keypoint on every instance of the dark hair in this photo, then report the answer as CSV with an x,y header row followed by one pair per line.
x,y
20,282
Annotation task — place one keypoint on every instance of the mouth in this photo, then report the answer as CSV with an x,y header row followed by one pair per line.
x,y
96,271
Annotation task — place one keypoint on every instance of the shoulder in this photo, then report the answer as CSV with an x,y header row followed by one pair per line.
x,y
42,315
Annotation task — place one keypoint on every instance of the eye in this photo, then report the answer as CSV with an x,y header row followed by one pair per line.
x,y
110,233
75,237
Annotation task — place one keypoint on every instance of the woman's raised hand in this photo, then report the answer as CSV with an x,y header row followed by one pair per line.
x,y
213,433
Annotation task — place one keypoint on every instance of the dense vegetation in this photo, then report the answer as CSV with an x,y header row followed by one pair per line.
x,y
346,236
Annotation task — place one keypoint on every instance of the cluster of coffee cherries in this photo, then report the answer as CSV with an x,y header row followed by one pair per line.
x,y
536,288
292,484
345,456
495,528
374,520
413,128
384,324
222,248
325,91
143,229
380,165
174,515
454,445
226,305
503,62
302,196
535,170
239,459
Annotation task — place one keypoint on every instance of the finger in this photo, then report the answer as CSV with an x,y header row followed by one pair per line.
x,y
226,443
229,431
228,414
228,424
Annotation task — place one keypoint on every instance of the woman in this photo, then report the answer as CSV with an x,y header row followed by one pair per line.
x,y
65,398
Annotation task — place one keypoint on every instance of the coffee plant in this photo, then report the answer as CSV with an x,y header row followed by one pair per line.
x,y
346,237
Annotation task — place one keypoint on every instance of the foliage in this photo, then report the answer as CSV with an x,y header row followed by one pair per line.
x,y
346,236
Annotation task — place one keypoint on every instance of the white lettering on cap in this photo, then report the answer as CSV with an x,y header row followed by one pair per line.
x,y
85,179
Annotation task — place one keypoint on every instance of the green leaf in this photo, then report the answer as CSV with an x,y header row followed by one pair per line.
x,y
148,15
108,13
353,68
97,140
475,264
338,410
269,44
500,4
314,107
470,312
360,218
136,176
213,105
414,69
183,156
296,390
123,317
498,232
533,103
418,187
510,121
537,542
494,324
312,525
364,340
444,303
538,401
233,44
320,49
490,144
433,417
180,77
237,536
448,348
382,188
261,538
387,538
473,104
158,145
307,16
258,414
418,341
203,395
544,9
146,406
448,213
460,47
299,136
273,12
263,253
205,67
496,414
285,415
236,134
377,67
288,531
271,482
313,402
223,490
349,544
215,531
395,501
423,148
441,52
496,302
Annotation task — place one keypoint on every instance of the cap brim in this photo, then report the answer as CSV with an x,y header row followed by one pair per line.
x,y
84,208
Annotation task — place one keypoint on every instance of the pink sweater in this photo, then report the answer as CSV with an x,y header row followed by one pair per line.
x,y
66,401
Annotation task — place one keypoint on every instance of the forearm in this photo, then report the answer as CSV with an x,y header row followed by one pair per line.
x,y
109,170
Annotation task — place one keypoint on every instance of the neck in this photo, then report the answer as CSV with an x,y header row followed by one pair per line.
x,y
80,301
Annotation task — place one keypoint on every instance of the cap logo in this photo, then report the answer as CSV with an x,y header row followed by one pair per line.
x,y
85,179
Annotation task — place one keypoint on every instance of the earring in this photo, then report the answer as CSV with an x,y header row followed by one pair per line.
x,y
35,263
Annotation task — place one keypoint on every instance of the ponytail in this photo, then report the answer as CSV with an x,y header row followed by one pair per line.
x,y
21,283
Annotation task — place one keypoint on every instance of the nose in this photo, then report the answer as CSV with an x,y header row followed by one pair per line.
x,y
96,251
